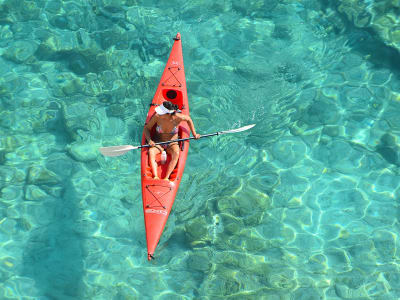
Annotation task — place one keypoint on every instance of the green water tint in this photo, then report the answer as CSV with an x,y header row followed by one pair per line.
x,y
305,206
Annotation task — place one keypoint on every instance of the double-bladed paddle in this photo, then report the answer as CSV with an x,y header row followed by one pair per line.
x,y
120,150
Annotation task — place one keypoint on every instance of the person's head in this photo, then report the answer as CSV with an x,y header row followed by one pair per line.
x,y
170,106
167,108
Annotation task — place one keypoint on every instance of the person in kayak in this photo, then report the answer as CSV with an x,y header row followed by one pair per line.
x,y
167,119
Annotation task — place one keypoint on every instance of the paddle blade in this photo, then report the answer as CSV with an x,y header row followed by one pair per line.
x,y
116,150
238,129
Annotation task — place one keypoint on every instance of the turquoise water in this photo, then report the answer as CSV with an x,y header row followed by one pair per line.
x,y
303,206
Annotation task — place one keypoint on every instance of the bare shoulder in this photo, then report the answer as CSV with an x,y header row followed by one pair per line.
x,y
182,117
153,120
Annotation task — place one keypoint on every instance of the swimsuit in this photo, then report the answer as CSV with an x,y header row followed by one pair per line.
x,y
174,131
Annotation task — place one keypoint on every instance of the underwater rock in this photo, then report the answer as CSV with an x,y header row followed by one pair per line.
x,y
83,151
115,227
78,118
82,183
385,244
277,232
322,111
53,6
93,86
379,16
22,10
65,84
76,48
249,203
10,193
289,151
33,193
282,31
117,37
232,225
255,8
392,276
362,255
5,35
388,147
333,130
317,264
153,69
348,293
252,241
9,175
378,289
290,72
329,231
57,42
309,241
353,279
38,175
78,64
257,71
282,279
197,231
266,177
250,264
21,51
59,21
10,143
222,285
380,77
337,259
200,260
389,154
61,164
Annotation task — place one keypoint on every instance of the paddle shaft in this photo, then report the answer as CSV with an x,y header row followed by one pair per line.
x,y
181,140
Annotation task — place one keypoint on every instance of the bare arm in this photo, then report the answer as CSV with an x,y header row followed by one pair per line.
x,y
191,125
148,127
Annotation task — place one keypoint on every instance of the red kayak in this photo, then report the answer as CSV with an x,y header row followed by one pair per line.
x,y
158,195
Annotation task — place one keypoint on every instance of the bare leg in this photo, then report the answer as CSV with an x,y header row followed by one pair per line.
x,y
153,151
174,152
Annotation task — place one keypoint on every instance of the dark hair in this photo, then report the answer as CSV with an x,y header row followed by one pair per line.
x,y
169,105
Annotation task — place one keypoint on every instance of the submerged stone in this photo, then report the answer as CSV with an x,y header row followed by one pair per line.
x,y
200,260
40,175
21,51
389,154
347,293
289,151
197,231
84,151
79,64
337,259
59,21
53,6
385,244
33,193
11,193
78,117
232,225
317,264
322,112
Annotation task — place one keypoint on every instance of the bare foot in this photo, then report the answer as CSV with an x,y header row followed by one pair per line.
x,y
156,177
167,179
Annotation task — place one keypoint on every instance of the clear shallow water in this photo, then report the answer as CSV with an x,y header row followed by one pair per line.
x,y
305,206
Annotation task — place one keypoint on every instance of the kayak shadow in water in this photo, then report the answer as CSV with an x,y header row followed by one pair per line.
x,y
53,255
389,150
